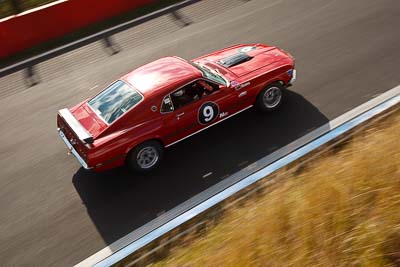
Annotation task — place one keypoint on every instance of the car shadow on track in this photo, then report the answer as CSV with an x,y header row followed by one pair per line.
x,y
119,202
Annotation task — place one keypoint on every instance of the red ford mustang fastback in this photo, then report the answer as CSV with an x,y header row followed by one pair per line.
x,y
159,104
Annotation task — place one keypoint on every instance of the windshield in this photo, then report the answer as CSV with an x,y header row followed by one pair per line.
x,y
115,100
212,74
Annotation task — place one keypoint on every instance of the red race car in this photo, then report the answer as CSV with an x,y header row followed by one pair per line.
x,y
168,100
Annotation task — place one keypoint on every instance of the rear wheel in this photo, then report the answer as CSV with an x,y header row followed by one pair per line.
x,y
270,98
145,157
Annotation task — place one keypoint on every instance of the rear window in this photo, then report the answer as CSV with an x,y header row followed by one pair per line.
x,y
115,100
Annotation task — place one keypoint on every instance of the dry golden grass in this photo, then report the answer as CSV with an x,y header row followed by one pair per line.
x,y
342,210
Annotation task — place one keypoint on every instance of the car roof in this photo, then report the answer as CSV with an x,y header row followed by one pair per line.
x,y
159,76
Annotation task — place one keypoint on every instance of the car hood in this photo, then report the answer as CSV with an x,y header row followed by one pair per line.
x,y
237,61
89,119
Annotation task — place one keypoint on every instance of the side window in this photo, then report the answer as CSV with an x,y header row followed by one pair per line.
x,y
186,95
167,105
192,92
207,87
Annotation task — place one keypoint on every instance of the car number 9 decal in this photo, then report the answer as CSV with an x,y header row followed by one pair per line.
x,y
208,112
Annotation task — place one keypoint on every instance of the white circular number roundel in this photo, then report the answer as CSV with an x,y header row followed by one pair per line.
x,y
208,112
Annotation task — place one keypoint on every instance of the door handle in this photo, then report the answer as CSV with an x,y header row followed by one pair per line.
x,y
243,93
179,115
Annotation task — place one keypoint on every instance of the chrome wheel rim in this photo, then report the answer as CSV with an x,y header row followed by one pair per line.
x,y
147,157
272,97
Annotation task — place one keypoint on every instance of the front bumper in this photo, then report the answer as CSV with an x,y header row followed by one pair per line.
x,y
294,76
72,150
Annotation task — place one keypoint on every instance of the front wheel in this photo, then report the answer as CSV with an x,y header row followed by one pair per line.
x,y
145,157
270,98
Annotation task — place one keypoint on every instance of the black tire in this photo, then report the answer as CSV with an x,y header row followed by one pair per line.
x,y
145,157
270,98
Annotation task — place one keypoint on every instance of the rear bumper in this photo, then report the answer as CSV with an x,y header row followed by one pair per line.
x,y
72,150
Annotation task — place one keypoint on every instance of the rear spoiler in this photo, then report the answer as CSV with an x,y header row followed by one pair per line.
x,y
76,126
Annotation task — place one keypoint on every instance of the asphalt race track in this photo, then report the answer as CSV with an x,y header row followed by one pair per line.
x,y
55,214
